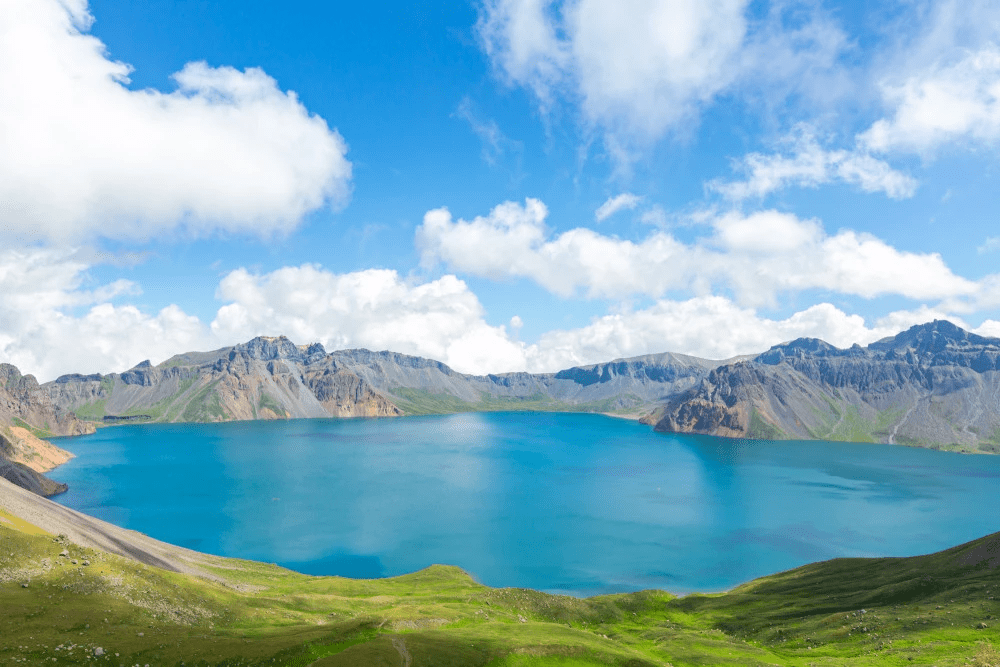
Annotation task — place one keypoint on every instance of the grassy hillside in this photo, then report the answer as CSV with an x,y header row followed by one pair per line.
x,y
59,609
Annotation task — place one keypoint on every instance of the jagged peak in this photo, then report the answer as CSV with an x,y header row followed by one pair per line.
x,y
269,348
933,337
800,347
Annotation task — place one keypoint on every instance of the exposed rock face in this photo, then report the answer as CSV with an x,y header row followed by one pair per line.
x,y
26,478
269,378
23,400
933,385
27,412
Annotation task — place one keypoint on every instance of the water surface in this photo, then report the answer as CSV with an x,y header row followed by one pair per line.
x,y
573,503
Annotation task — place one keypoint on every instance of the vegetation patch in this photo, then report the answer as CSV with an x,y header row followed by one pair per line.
x,y
59,600
422,402
204,406
762,430
93,411
37,432
266,401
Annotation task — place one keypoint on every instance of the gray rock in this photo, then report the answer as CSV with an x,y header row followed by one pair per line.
x,y
933,385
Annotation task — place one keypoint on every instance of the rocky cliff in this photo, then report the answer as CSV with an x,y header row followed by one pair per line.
x,y
272,378
27,415
934,385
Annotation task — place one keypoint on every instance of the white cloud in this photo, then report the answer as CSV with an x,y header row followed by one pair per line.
x,y
40,334
82,155
991,244
755,256
693,326
496,144
50,324
638,69
375,309
943,103
520,38
808,164
622,202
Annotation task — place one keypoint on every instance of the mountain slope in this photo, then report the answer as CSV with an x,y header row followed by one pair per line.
x,y
268,378
934,385
27,415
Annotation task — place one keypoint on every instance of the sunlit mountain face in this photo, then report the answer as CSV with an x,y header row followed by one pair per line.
x,y
501,186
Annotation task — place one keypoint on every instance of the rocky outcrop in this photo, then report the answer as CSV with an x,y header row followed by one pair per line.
x,y
24,403
27,414
934,385
26,478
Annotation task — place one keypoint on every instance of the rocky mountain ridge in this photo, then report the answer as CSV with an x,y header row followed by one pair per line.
x,y
933,385
26,416
272,378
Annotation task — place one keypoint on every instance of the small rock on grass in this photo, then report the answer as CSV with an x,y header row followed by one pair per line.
x,y
98,652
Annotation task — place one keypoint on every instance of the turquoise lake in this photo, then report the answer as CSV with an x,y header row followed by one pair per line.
x,y
571,503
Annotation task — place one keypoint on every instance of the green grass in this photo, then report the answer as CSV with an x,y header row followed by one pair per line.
x,y
37,432
204,405
422,402
762,430
266,401
159,410
846,424
940,610
93,411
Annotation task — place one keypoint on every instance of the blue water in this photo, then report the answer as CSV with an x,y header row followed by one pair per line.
x,y
581,504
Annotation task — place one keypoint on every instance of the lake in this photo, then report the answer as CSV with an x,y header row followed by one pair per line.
x,y
571,503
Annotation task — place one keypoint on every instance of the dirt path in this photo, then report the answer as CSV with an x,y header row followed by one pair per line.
x,y
400,645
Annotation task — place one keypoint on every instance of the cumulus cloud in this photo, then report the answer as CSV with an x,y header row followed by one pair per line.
x,y
375,309
692,327
54,320
82,155
756,256
808,164
51,324
944,103
637,66
624,201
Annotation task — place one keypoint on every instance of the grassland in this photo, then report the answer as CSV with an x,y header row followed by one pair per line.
x,y
60,609
421,402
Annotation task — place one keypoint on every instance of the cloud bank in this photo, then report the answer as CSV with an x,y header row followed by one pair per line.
x,y
54,324
756,257
83,156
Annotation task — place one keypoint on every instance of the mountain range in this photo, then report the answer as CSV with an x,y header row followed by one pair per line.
x,y
934,385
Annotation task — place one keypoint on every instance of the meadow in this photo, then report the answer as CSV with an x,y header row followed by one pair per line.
x,y
62,604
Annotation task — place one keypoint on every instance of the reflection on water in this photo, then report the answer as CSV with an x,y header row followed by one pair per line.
x,y
572,503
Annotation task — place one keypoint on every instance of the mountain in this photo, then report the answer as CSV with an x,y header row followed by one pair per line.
x,y
269,378
26,416
933,385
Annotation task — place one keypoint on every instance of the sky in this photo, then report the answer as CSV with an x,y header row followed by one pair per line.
x,y
501,185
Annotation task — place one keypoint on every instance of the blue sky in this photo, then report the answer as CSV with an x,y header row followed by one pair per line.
x,y
501,185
